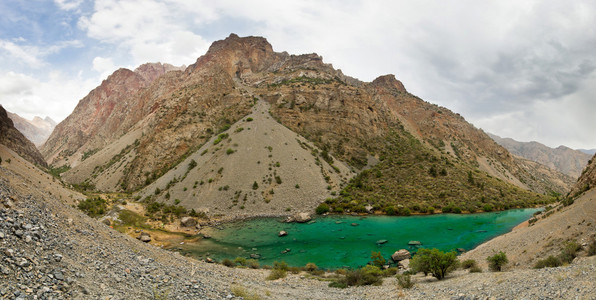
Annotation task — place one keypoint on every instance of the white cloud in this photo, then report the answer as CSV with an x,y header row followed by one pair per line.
x,y
55,97
68,4
28,55
104,66
149,30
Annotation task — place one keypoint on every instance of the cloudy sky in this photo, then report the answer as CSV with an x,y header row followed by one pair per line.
x,y
520,69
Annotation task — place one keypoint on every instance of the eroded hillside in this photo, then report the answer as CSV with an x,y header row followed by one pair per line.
x,y
130,137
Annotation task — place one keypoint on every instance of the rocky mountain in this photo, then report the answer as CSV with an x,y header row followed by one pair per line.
x,y
17,142
173,137
103,115
37,130
562,159
587,180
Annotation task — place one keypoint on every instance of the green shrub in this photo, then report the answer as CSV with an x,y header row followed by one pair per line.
x,y
404,281
497,261
228,263
280,270
252,263
549,262
240,261
434,262
229,151
93,206
475,269
377,259
468,263
322,208
569,252
249,119
255,186
592,248
311,267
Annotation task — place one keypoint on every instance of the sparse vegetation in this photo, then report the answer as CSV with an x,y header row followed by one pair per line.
x,y
434,262
404,281
497,261
280,270
93,207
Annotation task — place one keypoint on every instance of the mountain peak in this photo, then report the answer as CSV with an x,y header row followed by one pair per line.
x,y
389,81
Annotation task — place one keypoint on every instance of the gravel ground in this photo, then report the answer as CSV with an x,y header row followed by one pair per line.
x,y
49,250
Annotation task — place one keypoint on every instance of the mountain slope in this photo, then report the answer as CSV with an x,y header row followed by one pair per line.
x,y
562,159
16,141
572,220
154,127
103,115
220,177
587,179
37,130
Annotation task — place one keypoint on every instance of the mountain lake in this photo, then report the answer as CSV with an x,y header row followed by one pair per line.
x,y
333,242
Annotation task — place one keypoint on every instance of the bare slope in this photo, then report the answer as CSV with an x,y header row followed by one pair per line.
x,y
524,246
256,167
72,256
15,140
562,159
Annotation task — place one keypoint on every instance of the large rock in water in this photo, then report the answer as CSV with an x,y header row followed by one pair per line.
x,y
188,222
401,255
302,217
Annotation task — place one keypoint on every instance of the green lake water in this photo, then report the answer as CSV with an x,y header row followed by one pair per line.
x,y
333,242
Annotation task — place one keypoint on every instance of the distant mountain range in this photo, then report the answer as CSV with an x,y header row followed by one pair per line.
x,y
588,151
563,159
37,130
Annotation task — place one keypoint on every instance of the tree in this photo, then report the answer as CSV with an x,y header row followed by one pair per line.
x,y
497,261
435,262
377,259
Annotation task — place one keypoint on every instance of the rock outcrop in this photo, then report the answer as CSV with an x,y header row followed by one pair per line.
x,y
587,179
17,142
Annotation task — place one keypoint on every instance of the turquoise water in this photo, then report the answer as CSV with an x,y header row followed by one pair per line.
x,y
333,242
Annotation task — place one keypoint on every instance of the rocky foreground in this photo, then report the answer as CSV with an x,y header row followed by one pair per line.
x,y
52,251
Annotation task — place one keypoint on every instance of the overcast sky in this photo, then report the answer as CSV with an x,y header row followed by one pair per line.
x,y
520,69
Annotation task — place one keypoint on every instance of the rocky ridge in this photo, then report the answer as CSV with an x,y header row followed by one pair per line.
x,y
587,179
132,136
16,141
563,159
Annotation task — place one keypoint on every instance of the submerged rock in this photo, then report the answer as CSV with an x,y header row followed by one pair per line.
x,y
380,242
414,243
282,233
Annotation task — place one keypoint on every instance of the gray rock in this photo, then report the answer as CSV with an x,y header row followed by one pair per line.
x,y
144,237
401,255
282,233
188,222
302,217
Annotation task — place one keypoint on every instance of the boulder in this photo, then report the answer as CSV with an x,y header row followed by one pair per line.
x,y
302,217
282,233
401,255
369,209
404,264
188,222
144,237
107,222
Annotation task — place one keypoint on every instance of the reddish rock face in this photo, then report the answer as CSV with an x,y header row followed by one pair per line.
x,y
178,111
